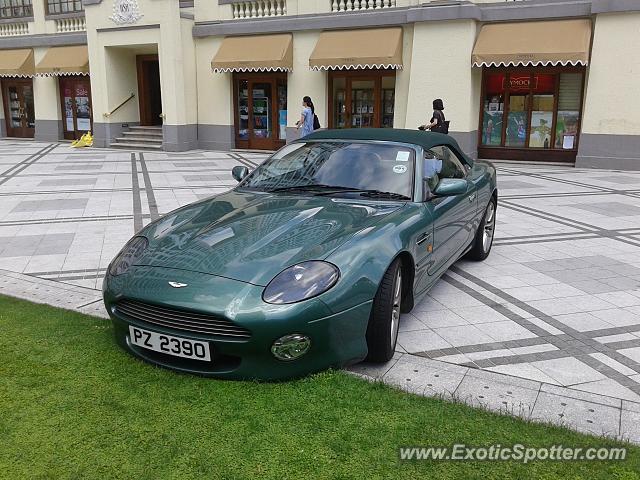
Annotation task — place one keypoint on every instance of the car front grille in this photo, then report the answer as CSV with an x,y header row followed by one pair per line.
x,y
181,319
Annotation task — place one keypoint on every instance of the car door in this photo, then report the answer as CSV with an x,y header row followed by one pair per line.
x,y
453,215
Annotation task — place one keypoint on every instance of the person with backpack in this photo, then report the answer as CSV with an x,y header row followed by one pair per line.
x,y
308,119
437,123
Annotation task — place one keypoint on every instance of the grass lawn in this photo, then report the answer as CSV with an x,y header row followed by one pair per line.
x,y
72,405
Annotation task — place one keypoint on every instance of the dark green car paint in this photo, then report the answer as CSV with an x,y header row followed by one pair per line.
x,y
228,247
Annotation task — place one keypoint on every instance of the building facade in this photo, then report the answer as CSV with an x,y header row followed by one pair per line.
x,y
520,79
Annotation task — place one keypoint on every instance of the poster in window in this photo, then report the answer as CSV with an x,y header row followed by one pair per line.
x,y
68,114
516,133
492,126
282,121
541,123
567,129
83,114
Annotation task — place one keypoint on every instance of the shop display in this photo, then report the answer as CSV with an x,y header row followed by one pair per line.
x,y
339,108
567,129
529,109
541,129
261,118
388,103
362,108
282,111
362,99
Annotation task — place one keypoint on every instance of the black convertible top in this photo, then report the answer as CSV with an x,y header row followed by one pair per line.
x,y
426,140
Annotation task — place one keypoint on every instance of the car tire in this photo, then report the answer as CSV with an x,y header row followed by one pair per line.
x,y
483,240
382,330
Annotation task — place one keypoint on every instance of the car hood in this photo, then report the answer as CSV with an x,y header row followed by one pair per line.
x,y
253,236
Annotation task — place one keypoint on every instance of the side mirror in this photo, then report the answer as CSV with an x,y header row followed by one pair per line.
x,y
239,172
449,187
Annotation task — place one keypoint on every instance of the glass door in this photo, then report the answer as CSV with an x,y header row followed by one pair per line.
x,y
517,120
363,104
19,109
260,115
75,94
361,99
260,110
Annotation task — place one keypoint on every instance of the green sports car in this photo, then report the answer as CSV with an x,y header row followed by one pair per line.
x,y
308,262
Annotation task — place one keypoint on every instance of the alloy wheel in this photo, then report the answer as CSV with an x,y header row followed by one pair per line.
x,y
395,311
489,227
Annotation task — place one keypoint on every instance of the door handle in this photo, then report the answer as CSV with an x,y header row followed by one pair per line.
x,y
472,197
423,238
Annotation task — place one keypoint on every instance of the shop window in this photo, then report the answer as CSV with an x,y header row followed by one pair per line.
x,y
243,110
568,120
531,109
15,8
516,133
492,117
363,103
262,121
388,101
362,99
64,6
339,103
542,103
282,109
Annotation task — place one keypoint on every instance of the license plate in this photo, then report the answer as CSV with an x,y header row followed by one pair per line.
x,y
176,346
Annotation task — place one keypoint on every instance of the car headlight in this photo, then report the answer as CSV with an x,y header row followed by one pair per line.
x,y
301,282
131,252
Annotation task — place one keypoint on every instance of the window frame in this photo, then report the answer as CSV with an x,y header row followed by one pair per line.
x,y
501,152
460,164
48,4
25,5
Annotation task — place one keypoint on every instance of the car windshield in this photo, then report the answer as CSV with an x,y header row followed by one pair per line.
x,y
339,169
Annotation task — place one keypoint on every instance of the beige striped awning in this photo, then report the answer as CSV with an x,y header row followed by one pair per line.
x,y
73,60
358,49
560,42
17,63
256,53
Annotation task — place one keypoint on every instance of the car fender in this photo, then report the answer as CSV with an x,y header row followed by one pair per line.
x,y
364,259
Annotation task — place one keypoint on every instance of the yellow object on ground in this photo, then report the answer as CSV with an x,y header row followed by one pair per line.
x,y
85,140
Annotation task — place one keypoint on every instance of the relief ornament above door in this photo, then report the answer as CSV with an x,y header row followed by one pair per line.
x,y
125,12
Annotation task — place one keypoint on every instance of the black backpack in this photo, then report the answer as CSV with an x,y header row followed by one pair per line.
x,y
443,125
316,122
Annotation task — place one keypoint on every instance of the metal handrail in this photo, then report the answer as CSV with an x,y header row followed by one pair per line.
x,y
108,114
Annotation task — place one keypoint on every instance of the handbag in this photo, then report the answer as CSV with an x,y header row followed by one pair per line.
x,y
316,122
443,125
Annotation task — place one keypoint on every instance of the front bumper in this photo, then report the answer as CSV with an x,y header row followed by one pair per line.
x,y
336,338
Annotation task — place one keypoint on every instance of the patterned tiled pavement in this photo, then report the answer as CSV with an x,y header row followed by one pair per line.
x,y
548,327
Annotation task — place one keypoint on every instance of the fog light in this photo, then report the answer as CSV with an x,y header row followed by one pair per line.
x,y
290,347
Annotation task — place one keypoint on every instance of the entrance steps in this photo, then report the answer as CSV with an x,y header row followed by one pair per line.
x,y
149,138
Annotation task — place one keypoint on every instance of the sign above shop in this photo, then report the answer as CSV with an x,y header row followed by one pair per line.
x,y
125,12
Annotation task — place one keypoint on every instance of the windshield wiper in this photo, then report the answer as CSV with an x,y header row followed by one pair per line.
x,y
368,193
309,187
379,194
333,189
